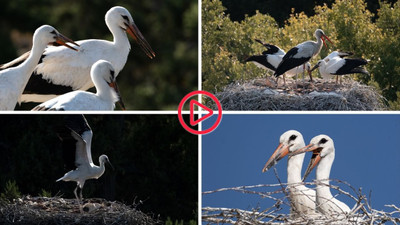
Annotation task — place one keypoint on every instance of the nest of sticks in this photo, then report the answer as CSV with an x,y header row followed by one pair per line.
x,y
42,210
266,94
361,213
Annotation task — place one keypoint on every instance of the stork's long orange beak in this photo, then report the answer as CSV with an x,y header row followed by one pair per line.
x,y
139,38
62,40
323,37
280,152
115,87
316,157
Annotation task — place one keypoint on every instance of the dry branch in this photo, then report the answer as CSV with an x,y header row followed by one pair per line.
x,y
362,212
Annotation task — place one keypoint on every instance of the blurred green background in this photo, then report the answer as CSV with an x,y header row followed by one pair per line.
x,y
170,27
155,161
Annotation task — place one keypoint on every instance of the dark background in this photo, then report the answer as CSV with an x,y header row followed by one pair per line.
x,y
170,27
155,160
280,9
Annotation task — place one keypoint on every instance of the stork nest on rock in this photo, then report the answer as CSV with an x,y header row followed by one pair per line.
x,y
265,94
42,210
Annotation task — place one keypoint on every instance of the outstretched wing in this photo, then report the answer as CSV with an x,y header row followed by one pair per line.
x,y
78,138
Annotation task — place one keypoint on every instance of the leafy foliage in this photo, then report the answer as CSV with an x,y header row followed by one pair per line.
x,y
11,191
349,24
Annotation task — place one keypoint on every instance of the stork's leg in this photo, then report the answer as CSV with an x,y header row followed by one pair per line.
x,y
309,73
277,81
80,194
337,78
304,68
79,203
284,79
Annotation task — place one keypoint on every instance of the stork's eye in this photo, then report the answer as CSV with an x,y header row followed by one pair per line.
x,y
112,73
125,17
323,141
293,137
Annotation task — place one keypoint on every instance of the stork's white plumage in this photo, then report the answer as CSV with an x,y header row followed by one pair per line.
x,y
335,54
323,150
61,71
302,198
302,53
85,168
337,65
13,80
270,59
103,76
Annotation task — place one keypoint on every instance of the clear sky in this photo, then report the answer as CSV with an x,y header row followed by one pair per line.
x,y
367,155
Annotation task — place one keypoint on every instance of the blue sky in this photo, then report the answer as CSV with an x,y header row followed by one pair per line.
x,y
367,155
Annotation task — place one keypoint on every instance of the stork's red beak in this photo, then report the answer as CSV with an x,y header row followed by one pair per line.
x,y
316,157
280,152
115,87
323,37
62,40
139,38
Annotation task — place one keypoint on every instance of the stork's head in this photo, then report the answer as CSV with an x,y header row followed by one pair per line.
x,y
289,142
105,70
322,147
319,63
120,17
48,35
104,159
319,34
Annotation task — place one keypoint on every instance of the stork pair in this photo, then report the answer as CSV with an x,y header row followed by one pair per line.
x,y
46,72
303,199
296,60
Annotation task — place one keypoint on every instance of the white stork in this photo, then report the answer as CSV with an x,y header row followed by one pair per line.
x,y
302,198
270,59
337,65
302,53
323,150
60,71
13,80
103,76
85,168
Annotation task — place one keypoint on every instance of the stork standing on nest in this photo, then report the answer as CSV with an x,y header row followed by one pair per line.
x,y
323,150
302,53
61,71
302,198
85,168
270,59
13,80
335,64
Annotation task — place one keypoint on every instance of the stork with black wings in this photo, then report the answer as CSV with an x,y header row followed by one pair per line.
x,y
81,134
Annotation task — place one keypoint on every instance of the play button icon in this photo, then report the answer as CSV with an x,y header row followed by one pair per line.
x,y
194,122
203,112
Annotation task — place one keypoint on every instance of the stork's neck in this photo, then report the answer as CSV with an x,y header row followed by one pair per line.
x,y
104,91
27,67
322,175
294,166
318,46
99,171
120,38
